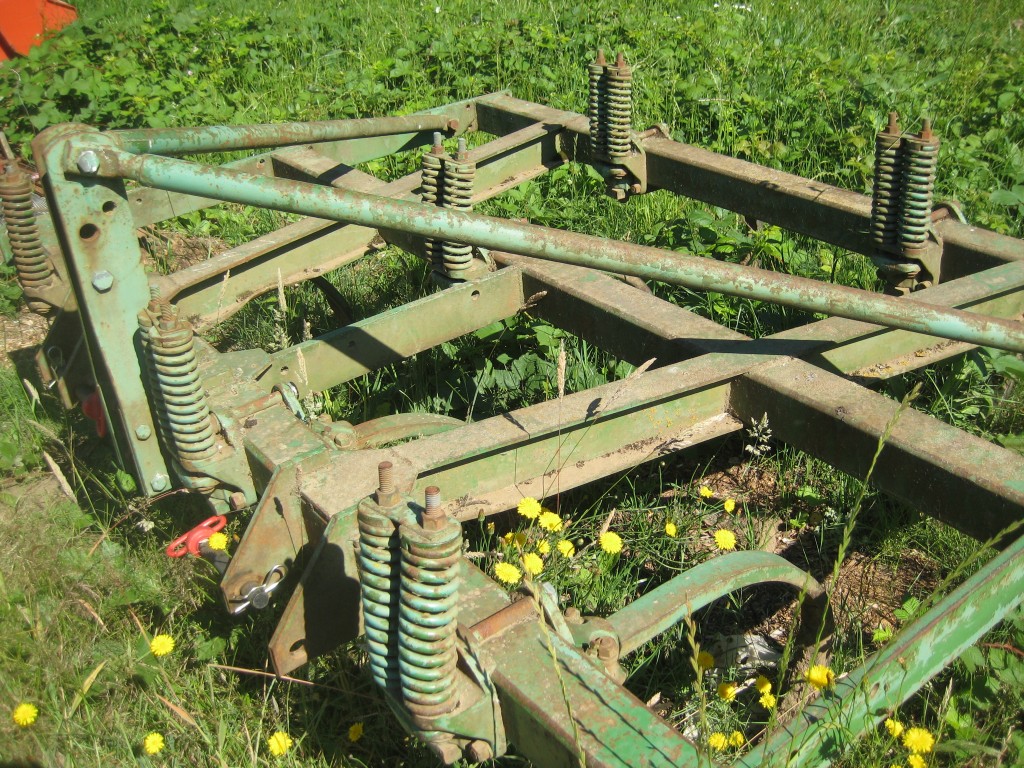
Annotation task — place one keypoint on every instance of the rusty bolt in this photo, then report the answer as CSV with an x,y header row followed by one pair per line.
x,y
572,615
385,494
926,130
894,123
385,477
434,517
606,649
236,500
453,125
461,153
438,146
636,189
168,322
479,751
601,60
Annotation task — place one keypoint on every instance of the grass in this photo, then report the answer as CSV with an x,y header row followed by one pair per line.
x,y
795,86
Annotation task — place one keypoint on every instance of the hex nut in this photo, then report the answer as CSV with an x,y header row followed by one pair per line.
x,y
143,432
236,501
160,482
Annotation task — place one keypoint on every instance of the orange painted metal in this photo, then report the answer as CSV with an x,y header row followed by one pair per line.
x,y
24,23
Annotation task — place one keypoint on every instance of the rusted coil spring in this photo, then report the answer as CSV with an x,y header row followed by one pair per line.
x,y
427,622
597,108
920,157
378,584
30,261
431,183
457,193
885,203
185,412
620,110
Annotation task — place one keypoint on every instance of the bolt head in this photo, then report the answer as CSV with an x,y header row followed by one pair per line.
x,y
479,751
160,482
236,500
103,281
143,432
88,163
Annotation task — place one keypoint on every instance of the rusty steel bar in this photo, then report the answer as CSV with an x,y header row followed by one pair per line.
x,y
566,247
660,609
227,138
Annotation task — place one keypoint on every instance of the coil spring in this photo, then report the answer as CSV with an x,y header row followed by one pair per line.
x,y
920,157
887,188
427,620
378,584
30,261
457,194
597,107
184,411
431,185
620,109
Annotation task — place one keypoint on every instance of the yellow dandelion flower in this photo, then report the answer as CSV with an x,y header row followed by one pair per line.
x,y
279,743
705,492
768,701
489,527
153,743
727,691
730,505
507,573
355,732
566,548
915,761
514,539
543,547
821,677
25,714
894,727
736,739
718,741
670,529
611,543
763,684
725,539
705,660
217,541
529,507
549,521
918,740
532,563
161,645
896,765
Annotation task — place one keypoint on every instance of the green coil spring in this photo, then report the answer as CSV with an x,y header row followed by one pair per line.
x,y
33,267
620,109
887,188
147,318
378,584
431,190
431,563
182,401
920,157
457,194
598,107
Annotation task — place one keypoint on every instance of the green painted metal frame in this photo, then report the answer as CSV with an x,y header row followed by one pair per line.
x,y
310,477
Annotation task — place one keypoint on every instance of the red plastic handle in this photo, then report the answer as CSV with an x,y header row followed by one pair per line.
x,y
188,544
